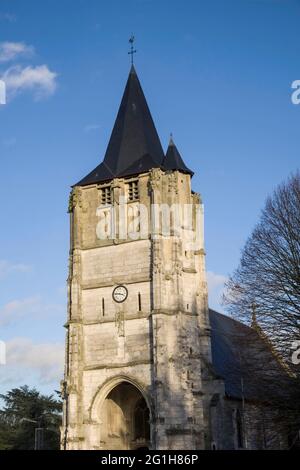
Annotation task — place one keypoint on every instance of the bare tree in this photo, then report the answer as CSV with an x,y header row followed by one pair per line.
x,y
269,272
265,289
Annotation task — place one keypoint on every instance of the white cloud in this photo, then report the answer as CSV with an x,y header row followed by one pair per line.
x,y
25,358
5,16
91,127
13,50
40,80
7,268
18,309
8,143
215,284
215,280
62,290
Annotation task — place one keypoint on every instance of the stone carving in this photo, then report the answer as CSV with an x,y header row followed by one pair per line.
x,y
119,322
172,183
155,179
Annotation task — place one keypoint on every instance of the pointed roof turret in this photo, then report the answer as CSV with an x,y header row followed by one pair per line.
x,y
134,146
173,159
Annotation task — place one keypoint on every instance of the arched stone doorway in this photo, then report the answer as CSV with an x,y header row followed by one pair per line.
x,y
125,419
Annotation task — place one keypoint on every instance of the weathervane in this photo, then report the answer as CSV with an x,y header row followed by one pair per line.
x,y
132,50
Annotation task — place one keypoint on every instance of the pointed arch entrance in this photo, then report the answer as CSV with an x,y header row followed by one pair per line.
x,y
125,419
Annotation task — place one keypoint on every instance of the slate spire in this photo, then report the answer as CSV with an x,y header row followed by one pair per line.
x,y
134,146
173,159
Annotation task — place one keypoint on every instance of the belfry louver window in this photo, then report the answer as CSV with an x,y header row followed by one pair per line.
x,y
106,195
132,191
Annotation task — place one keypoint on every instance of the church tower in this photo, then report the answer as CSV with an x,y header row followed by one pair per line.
x,y
138,356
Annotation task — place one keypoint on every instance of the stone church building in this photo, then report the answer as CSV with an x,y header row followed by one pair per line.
x,y
148,365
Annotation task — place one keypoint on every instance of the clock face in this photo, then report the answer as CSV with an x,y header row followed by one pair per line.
x,y
120,294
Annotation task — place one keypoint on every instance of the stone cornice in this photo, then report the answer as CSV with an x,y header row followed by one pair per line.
x,y
136,316
114,282
173,312
117,365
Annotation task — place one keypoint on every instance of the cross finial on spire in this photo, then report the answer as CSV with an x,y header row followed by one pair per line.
x,y
132,50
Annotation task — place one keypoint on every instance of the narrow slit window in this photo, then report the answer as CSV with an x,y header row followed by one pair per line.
x,y
103,307
140,302
239,429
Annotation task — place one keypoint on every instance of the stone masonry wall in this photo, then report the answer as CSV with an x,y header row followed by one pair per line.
x,y
158,339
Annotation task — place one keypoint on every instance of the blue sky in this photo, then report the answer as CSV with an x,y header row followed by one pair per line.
x,y
217,74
